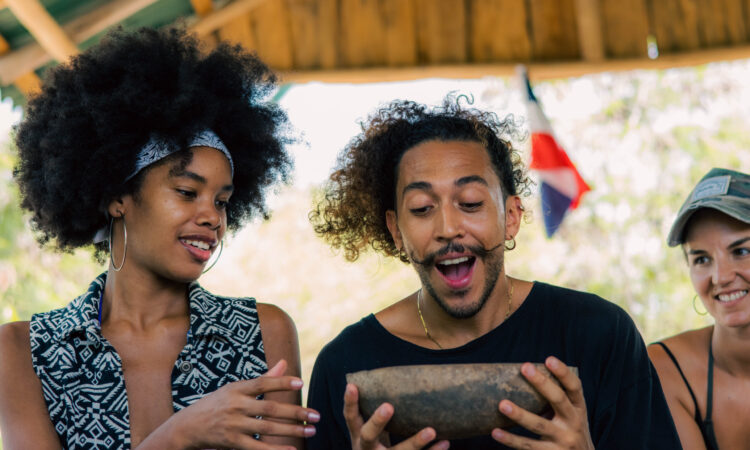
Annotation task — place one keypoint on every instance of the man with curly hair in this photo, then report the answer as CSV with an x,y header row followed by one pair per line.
x,y
150,149
441,189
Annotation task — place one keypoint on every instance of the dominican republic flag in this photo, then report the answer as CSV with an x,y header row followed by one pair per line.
x,y
561,184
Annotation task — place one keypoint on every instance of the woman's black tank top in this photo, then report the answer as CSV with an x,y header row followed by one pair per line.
x,y
706,425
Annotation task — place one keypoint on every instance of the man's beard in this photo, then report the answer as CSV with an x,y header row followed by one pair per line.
x,y
493,262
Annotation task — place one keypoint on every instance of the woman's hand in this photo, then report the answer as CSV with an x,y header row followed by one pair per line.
x,y
567,429
228,417
371,434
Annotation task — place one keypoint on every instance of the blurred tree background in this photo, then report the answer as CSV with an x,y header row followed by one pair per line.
x,y
640,139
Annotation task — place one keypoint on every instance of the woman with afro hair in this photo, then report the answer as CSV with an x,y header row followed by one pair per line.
x,y
151,149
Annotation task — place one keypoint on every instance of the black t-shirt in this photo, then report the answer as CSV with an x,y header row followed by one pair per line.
x,y
624,400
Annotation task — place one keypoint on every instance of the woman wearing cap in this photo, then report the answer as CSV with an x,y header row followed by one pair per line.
x,y
705,373
151,149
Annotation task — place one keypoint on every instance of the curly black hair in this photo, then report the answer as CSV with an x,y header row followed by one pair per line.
x,y
351,212
81,134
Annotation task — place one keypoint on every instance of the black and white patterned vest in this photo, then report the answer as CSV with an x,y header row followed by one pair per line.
x,y
82,377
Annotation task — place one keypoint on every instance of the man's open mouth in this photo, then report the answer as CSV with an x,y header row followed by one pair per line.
x,y
456,269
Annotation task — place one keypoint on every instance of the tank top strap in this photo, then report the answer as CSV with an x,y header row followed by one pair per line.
x,y
708,424
684,378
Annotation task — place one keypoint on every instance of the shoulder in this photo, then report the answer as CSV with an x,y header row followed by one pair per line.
x,y
358,336
584,306
23,414
274,321
689,348
15,353
14,341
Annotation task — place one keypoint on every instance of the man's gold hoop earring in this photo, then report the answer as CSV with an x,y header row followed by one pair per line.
x,y
510,244
221,249
696,309
124,246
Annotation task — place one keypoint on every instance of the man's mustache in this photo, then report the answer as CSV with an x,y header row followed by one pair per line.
x,y
476,250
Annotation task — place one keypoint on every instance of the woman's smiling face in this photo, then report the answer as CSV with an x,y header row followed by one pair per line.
x,y
717,248
178,217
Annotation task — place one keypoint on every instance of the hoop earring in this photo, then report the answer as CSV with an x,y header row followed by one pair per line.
x,y
696,309
124,247
512,244
221,249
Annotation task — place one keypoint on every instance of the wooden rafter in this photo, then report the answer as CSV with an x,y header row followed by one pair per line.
x,y
537,71
28,83
47,32
31,56
218,18
201,7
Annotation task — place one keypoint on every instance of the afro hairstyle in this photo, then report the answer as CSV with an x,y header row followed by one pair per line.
x,y
83,131
350,213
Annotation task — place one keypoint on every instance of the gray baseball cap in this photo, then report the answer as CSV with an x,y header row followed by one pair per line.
x,y
724,190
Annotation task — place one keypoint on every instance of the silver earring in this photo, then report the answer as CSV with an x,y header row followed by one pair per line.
x,y
124,247
221,248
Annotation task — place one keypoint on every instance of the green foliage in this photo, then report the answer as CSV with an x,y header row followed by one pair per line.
x,y
32,279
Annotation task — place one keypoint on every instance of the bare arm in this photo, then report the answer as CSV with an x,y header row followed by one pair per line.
x,y
227,417
678,398
24,419
280,342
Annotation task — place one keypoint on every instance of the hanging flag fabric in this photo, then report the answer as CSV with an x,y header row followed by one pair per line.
x,y
561,184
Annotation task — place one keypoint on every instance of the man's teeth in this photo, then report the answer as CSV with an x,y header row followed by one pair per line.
x,y
200,244
733,296
449,262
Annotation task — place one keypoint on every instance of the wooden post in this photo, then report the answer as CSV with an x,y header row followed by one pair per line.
x,y
28,84
589,21
201,7
43,27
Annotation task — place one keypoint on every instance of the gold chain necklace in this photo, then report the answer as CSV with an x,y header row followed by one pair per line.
x,y
424,325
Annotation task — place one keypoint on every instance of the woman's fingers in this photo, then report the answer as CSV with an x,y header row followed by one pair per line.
x,y
276,410
277,370
273,428
265,384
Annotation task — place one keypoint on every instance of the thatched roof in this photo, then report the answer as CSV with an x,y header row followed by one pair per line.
x,y
378,40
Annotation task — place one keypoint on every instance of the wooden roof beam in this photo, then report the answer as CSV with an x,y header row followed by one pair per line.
x,y
28,83
590,36
537,71
44,28
201,7
31,56
218,18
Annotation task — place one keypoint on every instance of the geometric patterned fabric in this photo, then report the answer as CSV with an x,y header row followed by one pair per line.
x,y
81,373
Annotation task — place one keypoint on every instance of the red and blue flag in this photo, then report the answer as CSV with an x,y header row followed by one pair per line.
x,y
561,184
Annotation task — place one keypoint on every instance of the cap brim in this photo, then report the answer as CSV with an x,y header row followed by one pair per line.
x,y
733,207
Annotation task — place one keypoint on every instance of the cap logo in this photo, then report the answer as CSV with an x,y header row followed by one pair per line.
x,y
711,187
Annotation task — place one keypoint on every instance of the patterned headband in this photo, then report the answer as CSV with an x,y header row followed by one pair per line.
x,y
156,150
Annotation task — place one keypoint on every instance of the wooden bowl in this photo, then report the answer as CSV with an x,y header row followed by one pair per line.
x,y
457,400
